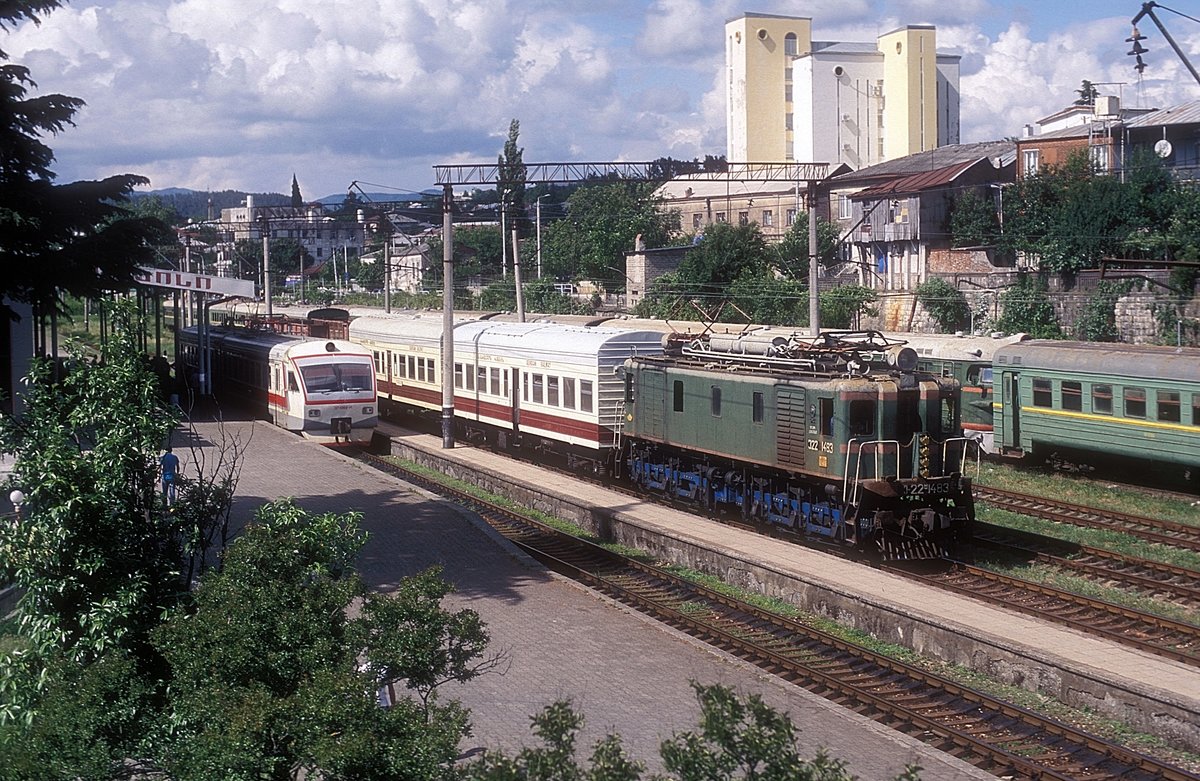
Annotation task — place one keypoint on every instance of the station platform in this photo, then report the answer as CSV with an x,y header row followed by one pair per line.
x,y
1152,693
625,673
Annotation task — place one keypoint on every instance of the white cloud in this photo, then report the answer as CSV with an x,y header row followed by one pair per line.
x,y
241,93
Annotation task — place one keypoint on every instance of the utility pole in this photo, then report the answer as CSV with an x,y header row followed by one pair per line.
x,y
517,279
814,297
266,246
448,317
387,271
503,241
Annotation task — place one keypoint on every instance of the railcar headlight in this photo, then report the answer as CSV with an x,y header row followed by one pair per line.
x,y
314,413
368,410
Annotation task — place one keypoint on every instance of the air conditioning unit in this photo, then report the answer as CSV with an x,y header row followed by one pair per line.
x,y
1108,106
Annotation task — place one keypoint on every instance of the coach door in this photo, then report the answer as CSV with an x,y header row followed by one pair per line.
x,y
1010,411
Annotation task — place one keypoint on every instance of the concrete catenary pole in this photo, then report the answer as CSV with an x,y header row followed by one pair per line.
x,y
447,318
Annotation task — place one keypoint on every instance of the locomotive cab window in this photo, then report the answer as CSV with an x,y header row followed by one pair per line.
x,y
292,386
826,417
862,418
757,413
1168,406
677,395
715,396
628,390
1072,395
1102,399
1043,392
1135,402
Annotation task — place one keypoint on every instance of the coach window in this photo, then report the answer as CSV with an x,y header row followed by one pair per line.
x,y
539,384
1043,392
525,386
1135,402
495,383
1102,399
715,400
757,408
826,417
412,367
1196,409
552,391
1168,406
481,376
677,395
585,395
458,374
568,392
1072,395
469,375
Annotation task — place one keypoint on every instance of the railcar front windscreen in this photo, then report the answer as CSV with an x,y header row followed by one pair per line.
x,y
326,377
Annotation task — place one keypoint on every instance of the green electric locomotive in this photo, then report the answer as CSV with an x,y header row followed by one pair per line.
x,y
838,436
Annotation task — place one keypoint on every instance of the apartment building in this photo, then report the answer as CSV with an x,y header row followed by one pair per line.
x,y
855,103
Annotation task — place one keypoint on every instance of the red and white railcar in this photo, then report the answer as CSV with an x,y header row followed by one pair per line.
x,y
544,386
323,389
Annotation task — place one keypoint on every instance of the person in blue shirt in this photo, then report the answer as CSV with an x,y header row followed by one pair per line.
x,y
169,462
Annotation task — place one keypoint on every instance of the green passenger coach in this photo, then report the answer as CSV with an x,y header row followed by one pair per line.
x,y
1125,401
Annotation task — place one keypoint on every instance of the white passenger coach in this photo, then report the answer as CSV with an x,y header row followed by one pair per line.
x,y
541,385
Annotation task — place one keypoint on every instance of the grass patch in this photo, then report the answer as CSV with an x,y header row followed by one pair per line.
x,y
1092,493
1115,542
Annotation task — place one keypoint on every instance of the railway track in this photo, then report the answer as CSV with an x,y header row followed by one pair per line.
x,y
1004,739
1154,579
1179,535
1150,633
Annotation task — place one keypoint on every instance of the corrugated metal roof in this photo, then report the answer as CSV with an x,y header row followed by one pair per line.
x,y
999,152
1184,114
915,183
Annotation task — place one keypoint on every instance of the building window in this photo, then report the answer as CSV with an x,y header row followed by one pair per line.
x,y
743,218
1102,399
1098,155
1135,402
721,217
845,207
768,218
1043,393
1030,161
791,217
787,121
696,220
790,47
1072,396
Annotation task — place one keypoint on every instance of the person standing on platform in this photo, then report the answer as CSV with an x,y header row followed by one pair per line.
x,y
169,463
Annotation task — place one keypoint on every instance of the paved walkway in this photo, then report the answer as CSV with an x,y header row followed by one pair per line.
x,y
559,641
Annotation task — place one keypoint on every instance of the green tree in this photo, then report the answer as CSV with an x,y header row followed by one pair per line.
x,y
974,221
1087,94
286,255
1025,307
510,176
738,739
842,306
272,676
770,300
725,253
792,250
57,240
602,223
946,303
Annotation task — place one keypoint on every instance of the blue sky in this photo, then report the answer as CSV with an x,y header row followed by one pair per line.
x,y
239,94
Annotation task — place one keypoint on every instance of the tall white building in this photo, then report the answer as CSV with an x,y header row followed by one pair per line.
x,y
792,98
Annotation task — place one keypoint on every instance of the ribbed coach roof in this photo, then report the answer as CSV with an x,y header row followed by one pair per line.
x,y
1104,358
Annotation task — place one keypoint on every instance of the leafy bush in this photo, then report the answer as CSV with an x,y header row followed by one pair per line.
x,y
842,306
1098,321
1026,307
945,303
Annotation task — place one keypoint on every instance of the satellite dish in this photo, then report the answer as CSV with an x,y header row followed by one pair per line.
x,y
1162,148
